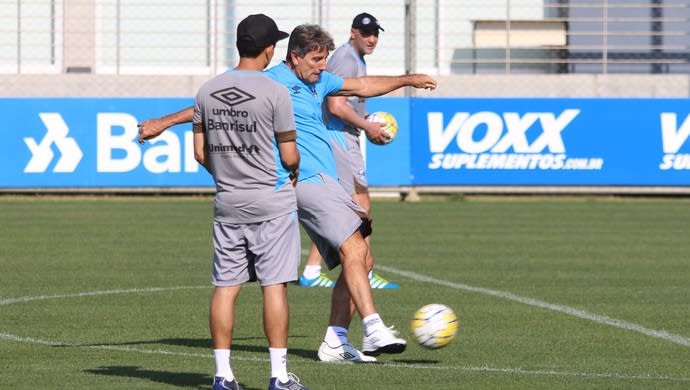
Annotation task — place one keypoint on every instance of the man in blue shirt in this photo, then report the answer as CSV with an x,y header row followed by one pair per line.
x,y
346,119
334,221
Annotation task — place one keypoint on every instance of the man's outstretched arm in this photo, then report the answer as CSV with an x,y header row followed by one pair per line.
x,y
152,128
369,86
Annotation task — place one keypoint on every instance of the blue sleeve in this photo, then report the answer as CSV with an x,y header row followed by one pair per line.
x,y
332,83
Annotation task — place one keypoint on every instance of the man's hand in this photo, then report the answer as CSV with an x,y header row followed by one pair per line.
x,y
151,128
375,133
294,177
421,81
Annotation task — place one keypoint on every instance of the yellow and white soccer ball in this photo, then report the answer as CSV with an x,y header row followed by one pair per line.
x,y
434,326
391,127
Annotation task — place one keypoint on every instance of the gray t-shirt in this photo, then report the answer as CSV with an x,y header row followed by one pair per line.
x,y
241,113
345,62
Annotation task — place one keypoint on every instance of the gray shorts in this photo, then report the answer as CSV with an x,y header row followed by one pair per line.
x,y
350,165
328,215
267,251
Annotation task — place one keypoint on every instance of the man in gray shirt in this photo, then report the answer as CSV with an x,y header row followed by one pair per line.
x,y
334,221
244,135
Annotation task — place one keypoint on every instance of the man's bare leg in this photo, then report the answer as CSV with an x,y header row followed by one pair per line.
x,y
353,286
221,324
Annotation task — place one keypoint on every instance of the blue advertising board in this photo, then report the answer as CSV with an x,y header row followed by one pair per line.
x,y
552,142
91,142
389,165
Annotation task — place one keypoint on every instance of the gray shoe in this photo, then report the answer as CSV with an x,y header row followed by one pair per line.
x,y
291,384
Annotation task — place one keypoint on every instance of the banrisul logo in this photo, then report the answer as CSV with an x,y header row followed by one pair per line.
x,y
42,152
673,137
508,140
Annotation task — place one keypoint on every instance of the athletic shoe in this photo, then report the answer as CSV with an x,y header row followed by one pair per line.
x,y
344,353
383,340
319,281
376,281
220,383
291,384
394,331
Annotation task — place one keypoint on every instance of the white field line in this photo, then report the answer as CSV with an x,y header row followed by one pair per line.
x,y
512,371
9,301
602,319
661,334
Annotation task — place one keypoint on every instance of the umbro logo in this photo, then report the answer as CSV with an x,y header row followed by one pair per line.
x,y
295,89
347,356
232,96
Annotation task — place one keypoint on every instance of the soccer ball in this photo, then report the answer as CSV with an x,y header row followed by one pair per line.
x,y
391,124
434,326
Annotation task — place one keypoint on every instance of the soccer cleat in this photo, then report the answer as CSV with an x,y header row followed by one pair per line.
x,y
220,383
320,281
291,384
376,282
344,353
382,340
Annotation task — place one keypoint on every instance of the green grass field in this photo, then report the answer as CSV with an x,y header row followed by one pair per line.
x,y
551,293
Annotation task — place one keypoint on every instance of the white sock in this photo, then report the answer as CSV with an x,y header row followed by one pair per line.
x,y
371,322
335,335
279,364
312,271
223,363
371,274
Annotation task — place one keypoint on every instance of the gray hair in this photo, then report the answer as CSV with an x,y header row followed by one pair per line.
x,y
306,38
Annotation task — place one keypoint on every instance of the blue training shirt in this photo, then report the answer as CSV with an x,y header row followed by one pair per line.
x,y
313,140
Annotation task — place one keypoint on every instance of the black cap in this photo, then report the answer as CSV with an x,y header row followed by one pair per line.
x,y
258,31
366,22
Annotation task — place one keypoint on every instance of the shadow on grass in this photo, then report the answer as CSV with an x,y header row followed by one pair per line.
x,y
260,346
179,379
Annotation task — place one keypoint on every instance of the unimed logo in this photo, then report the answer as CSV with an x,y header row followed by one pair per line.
x,y
42,153
490,140
673,137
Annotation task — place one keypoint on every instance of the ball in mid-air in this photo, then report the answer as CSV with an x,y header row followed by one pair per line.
x,y
434,326
391,125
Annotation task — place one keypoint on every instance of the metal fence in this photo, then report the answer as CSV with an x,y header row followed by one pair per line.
x,y
195,38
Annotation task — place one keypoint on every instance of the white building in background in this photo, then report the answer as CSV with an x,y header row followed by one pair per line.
x,y
476,47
